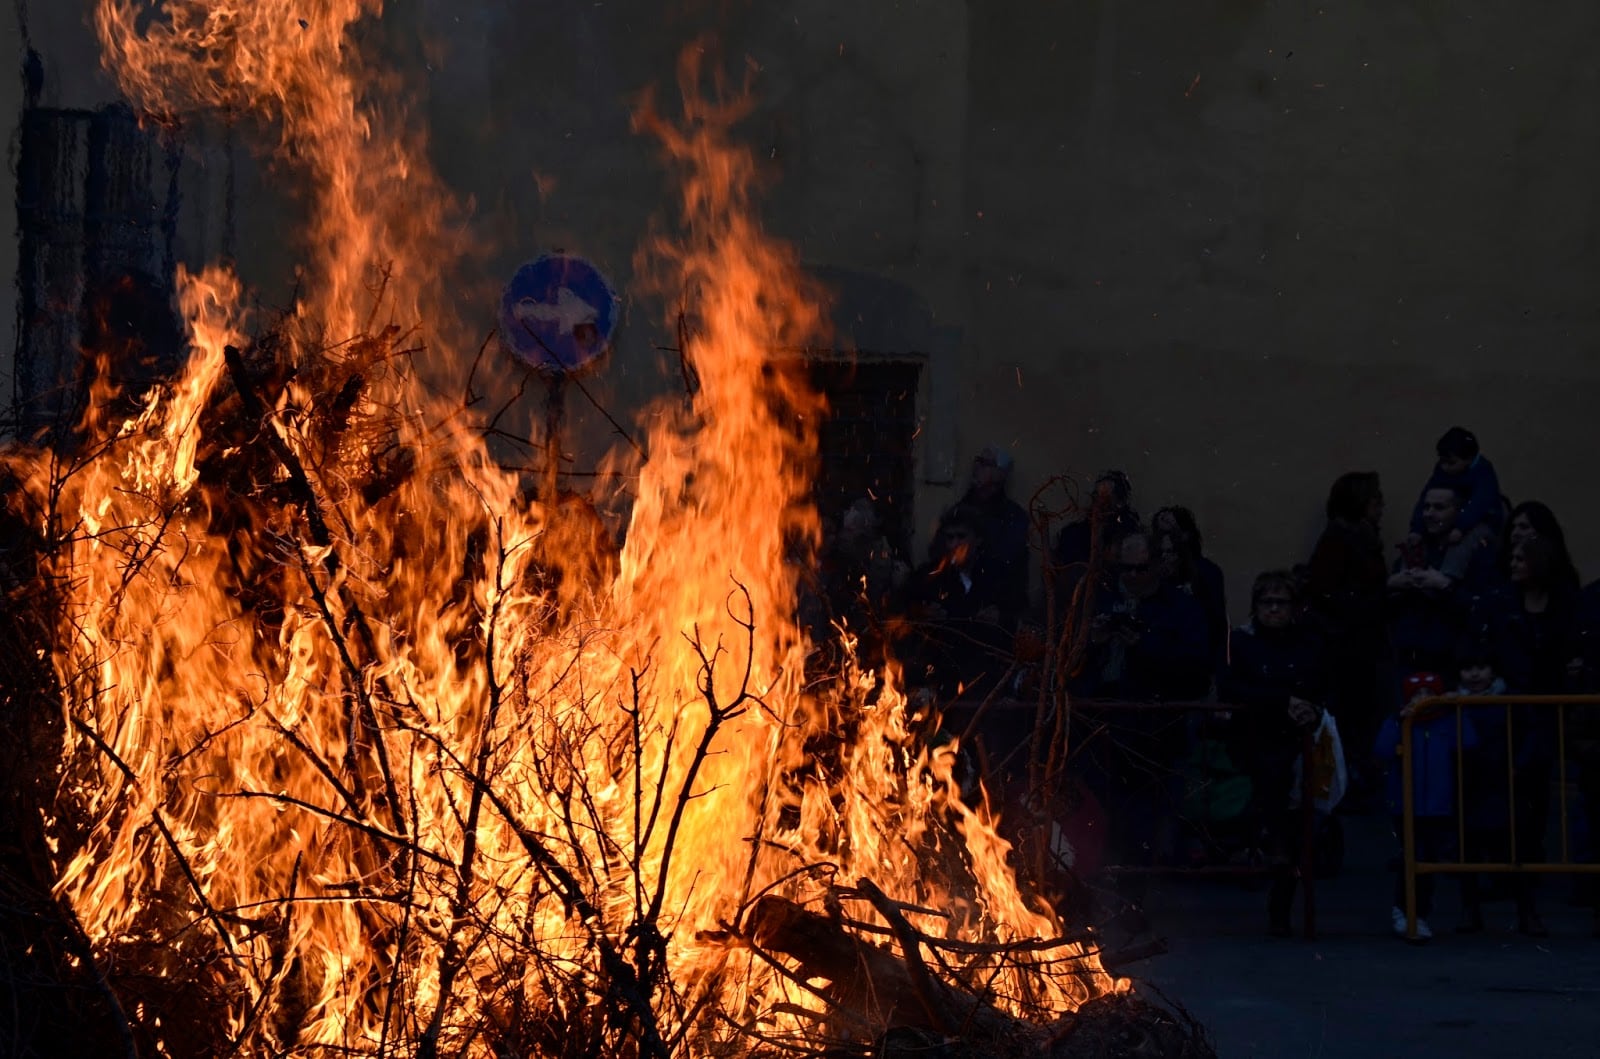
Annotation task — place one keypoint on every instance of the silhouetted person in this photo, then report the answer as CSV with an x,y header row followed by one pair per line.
x,y
1583,726
1534,627
1147,638
1346,590
1461,467
1093,537
961,641
1003,525
1201,577
1531,519
1436,738
1486,808
1429,606
1147,642
1278,675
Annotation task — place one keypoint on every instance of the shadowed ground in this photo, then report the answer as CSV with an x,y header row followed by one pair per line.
x,y
1357,990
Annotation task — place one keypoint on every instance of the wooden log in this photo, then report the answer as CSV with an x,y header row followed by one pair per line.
x,y
875,984
912,1012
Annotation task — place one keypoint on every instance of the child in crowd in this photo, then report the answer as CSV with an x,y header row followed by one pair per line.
x,y
1483,784
1462,467
1434,742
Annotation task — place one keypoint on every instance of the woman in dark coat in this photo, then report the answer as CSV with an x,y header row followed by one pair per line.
x,y
1204,577
1533,625
1346,585
1277,674
1531,519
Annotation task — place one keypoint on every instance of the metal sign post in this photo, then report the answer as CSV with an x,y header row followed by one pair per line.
x,y
557,316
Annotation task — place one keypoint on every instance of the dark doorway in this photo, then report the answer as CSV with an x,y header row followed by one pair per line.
x,y
97,197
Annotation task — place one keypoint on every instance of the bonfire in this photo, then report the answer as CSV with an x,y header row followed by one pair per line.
x,y
346,742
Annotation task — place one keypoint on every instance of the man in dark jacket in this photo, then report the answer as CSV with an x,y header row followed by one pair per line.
x,y
1428,606
1110,512
959,613
1003,555
1466,471
1147,642
1148,639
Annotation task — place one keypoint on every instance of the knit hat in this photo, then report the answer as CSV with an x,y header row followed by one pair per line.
x,y
1458,441
996,455
1422,683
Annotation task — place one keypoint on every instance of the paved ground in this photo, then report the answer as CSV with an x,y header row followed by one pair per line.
x,y
1357,990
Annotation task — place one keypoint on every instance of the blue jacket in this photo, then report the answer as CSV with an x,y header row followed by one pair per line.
x,y
1482,487
1433,770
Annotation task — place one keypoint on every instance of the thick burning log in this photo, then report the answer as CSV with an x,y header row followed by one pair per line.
x,y
899,1002
871,982
364,750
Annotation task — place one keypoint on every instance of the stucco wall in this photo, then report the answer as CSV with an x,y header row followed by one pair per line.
x,y
858,124
1235,247
1240,247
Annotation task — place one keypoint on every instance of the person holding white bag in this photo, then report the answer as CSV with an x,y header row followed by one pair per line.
x,y
1278,677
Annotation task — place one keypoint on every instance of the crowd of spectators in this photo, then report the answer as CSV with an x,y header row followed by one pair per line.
x,y
1480,597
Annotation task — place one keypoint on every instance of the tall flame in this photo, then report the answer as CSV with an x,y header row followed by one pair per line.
x,y
360,748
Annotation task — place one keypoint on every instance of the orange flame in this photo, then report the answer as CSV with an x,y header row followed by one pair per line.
x,y
358,749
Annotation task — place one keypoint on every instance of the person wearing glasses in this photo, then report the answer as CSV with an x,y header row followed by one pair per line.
x,y
1148,637
1278,677
1146,643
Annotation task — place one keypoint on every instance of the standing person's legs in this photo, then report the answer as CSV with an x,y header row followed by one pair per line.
x,y
1480,842
1435,841
1589,793
1130,807
1358,709
1271,776
1532,812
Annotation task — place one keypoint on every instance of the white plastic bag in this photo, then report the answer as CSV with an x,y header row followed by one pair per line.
x,y
1329,778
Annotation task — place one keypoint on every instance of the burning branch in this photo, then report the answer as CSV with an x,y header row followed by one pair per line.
x,y
499,785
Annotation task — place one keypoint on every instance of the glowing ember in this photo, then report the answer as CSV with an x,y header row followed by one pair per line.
x,y
370,752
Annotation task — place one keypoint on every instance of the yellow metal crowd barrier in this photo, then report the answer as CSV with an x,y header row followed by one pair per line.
x,y
1425,708
966,716
1306,840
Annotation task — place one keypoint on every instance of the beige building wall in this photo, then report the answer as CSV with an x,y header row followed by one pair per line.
x,y
1239,248
1235,248
858,125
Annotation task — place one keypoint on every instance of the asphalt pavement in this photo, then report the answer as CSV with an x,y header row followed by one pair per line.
x,y
1358,991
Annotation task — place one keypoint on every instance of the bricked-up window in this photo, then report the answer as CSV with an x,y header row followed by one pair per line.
x,y
97,198
867,441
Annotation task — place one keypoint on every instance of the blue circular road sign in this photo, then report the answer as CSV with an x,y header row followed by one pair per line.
x,y
558,313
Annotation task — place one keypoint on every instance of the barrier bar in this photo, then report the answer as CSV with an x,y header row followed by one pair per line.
x,y
1308,809
1511,866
